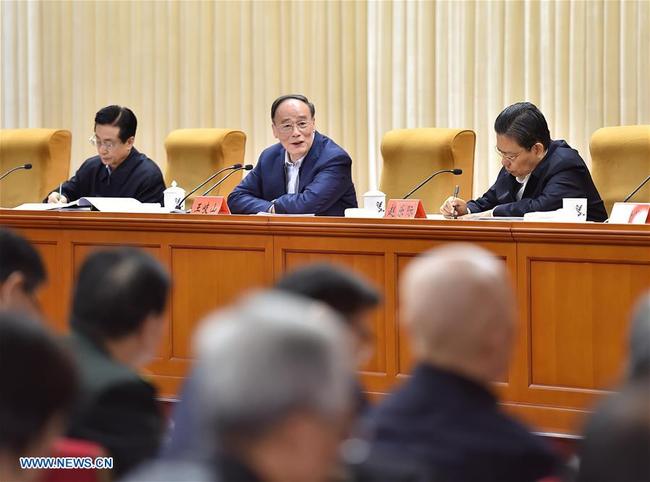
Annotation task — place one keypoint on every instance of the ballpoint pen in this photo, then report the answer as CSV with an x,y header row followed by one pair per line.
x,y
60,186
454,196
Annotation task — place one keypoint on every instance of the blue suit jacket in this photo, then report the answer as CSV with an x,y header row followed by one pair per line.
x,y
325,185
455,427
561,174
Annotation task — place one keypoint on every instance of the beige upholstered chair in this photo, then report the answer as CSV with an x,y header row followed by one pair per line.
x,y
620,160
47,150
194,154
411,155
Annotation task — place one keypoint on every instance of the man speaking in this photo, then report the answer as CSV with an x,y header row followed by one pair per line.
x,y
118,170
537,172
306,173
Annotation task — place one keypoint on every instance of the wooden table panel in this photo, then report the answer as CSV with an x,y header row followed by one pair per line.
x,y
575,286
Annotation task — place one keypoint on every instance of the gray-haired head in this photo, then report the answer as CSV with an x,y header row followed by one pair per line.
x,y
640,340
272,355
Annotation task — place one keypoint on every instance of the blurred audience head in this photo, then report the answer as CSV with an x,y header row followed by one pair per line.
x,y
274,385
21,273
616,445
458,305
639,364
119,302
37,388
349,295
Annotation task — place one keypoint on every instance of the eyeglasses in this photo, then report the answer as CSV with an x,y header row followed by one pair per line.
x,y
507,157
109,145
288,127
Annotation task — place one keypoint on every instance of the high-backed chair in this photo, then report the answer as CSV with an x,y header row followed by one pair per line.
x,y
620,160
411,155
47,150
194,154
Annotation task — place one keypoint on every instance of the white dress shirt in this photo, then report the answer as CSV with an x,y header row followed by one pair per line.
x,y
292,170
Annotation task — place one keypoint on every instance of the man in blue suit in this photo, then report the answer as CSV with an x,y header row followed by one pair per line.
x,y
537,172
306,173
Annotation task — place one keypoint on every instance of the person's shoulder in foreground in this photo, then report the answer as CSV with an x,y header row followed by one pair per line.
x,y
305,173
117,322
458,308
537,172
118,170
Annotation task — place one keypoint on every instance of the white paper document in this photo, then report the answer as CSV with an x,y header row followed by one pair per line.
x,y
103,204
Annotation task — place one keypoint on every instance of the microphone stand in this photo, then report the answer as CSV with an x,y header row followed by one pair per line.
x,y
247,167
455,172
180,203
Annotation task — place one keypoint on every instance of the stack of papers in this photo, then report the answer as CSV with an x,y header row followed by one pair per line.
x,y
104,204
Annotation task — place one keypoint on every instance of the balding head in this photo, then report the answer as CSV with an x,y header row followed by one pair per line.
x,y
458,305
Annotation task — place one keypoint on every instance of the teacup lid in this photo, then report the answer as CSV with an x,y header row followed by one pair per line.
x,y
174,188
374,193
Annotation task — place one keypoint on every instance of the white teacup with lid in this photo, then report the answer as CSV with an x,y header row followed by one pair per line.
x,y
173,195
375,201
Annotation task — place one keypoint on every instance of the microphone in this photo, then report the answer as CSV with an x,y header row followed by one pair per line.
x,y
17,168
455,172
637,189
234,166
247,167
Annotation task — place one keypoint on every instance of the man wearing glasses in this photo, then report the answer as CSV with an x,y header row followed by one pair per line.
x,y
306,173
537,172
118,170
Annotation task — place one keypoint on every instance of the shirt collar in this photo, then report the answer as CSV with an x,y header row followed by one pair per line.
x,y
289,163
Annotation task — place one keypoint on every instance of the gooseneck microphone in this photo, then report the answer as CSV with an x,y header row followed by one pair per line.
x,y
234,166
455,172
637,189
17,168
247,167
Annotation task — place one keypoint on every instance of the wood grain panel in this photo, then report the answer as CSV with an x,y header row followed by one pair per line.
x,y
206,278
581,302
55,307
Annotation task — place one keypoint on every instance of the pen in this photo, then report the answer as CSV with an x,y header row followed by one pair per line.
x,y
454,196
60,186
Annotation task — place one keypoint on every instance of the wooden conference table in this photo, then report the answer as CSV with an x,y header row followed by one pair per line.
x,y
575,284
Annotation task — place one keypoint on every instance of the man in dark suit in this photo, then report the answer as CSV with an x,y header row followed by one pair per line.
x,y
305,173
537,172
118,169
459,310
117,323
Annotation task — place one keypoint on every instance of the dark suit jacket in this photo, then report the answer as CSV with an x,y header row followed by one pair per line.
x,y
325,185
116,408
137,177
455,426
561,174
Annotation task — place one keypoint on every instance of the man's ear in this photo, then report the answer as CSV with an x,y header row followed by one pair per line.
x,y
539,149
14,283
275,130
130,141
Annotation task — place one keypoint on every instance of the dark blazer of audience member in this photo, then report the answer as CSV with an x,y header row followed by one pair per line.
x,y
350,296
305,173
273,393
445,414
616,443
118,169
117,324
38,381
21,274
537,172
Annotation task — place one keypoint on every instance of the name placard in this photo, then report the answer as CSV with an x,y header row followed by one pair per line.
x,y
405,209
630,213
210,205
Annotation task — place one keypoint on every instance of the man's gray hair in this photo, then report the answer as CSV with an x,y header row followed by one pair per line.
x,y
640,340
270,356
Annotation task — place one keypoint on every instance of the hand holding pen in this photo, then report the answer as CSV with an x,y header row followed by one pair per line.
x,y
454,213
